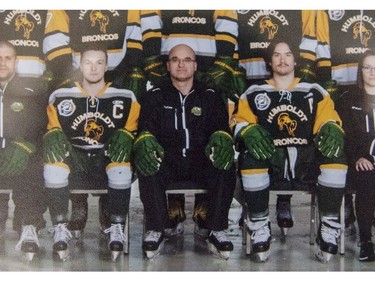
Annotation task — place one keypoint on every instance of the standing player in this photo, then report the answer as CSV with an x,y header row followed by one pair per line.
x,y
257,29
83,118
291,127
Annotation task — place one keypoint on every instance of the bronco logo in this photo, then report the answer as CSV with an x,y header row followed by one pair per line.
x,y
93,130
360,30
284,121
102,19
267,24
28,26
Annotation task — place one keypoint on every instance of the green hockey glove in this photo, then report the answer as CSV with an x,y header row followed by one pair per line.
x,y
307,72
238,79
15,157
120,146
56,146
148,154
218,73
155,69
220,150
331,88
330,140
135,81
257,141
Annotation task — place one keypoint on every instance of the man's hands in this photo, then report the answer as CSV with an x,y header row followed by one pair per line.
x,y
220,150
330,140
257,141
120,146
15,157
148,154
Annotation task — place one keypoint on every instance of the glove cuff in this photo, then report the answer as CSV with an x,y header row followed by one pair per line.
x,y
152,62
334,124
247,128
143,135
55,129
223,133
27,146
127,133
225,65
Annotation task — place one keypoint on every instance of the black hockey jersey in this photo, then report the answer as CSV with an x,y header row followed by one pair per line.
x,y
25,30
257,28
89,121
209,33
344,35
292,116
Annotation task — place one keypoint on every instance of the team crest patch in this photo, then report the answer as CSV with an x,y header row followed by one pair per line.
x,y
66,107
262,101
17,106
197,111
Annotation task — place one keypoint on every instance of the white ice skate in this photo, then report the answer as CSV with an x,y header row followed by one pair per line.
x,y
219,244
152,243
329,232
117,239
60,240
28,243
260,237
174,231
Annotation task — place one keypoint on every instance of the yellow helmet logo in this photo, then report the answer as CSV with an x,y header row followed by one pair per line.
x,y
266,24
25,24
98,16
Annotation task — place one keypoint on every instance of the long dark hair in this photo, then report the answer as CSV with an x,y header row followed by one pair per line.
x,y
366,54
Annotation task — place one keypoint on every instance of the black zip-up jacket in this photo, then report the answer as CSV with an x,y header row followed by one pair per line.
x,y
23,113
357,111
183,124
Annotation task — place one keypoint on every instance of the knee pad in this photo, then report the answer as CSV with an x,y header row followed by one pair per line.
x,y
333,175
255,179
119,175
56,175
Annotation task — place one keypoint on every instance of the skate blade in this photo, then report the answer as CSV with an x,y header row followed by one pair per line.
x,y
63,255
221,254
261,256
152,254
284,231
171,232
77,234
114,255
323,257
28,256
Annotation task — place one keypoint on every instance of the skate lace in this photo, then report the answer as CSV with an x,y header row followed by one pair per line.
x,y
62,233
28,235
330,231
116,232
221,236
152,236
260,232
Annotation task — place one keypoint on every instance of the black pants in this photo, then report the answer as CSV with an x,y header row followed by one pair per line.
x,y
28,193
196,168
365,203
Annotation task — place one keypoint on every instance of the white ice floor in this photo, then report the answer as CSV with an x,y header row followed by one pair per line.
x,y
185,253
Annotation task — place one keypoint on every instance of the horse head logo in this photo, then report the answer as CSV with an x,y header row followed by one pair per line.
x,y
98,16
93,130
27,26
360,30
267,24
285,121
